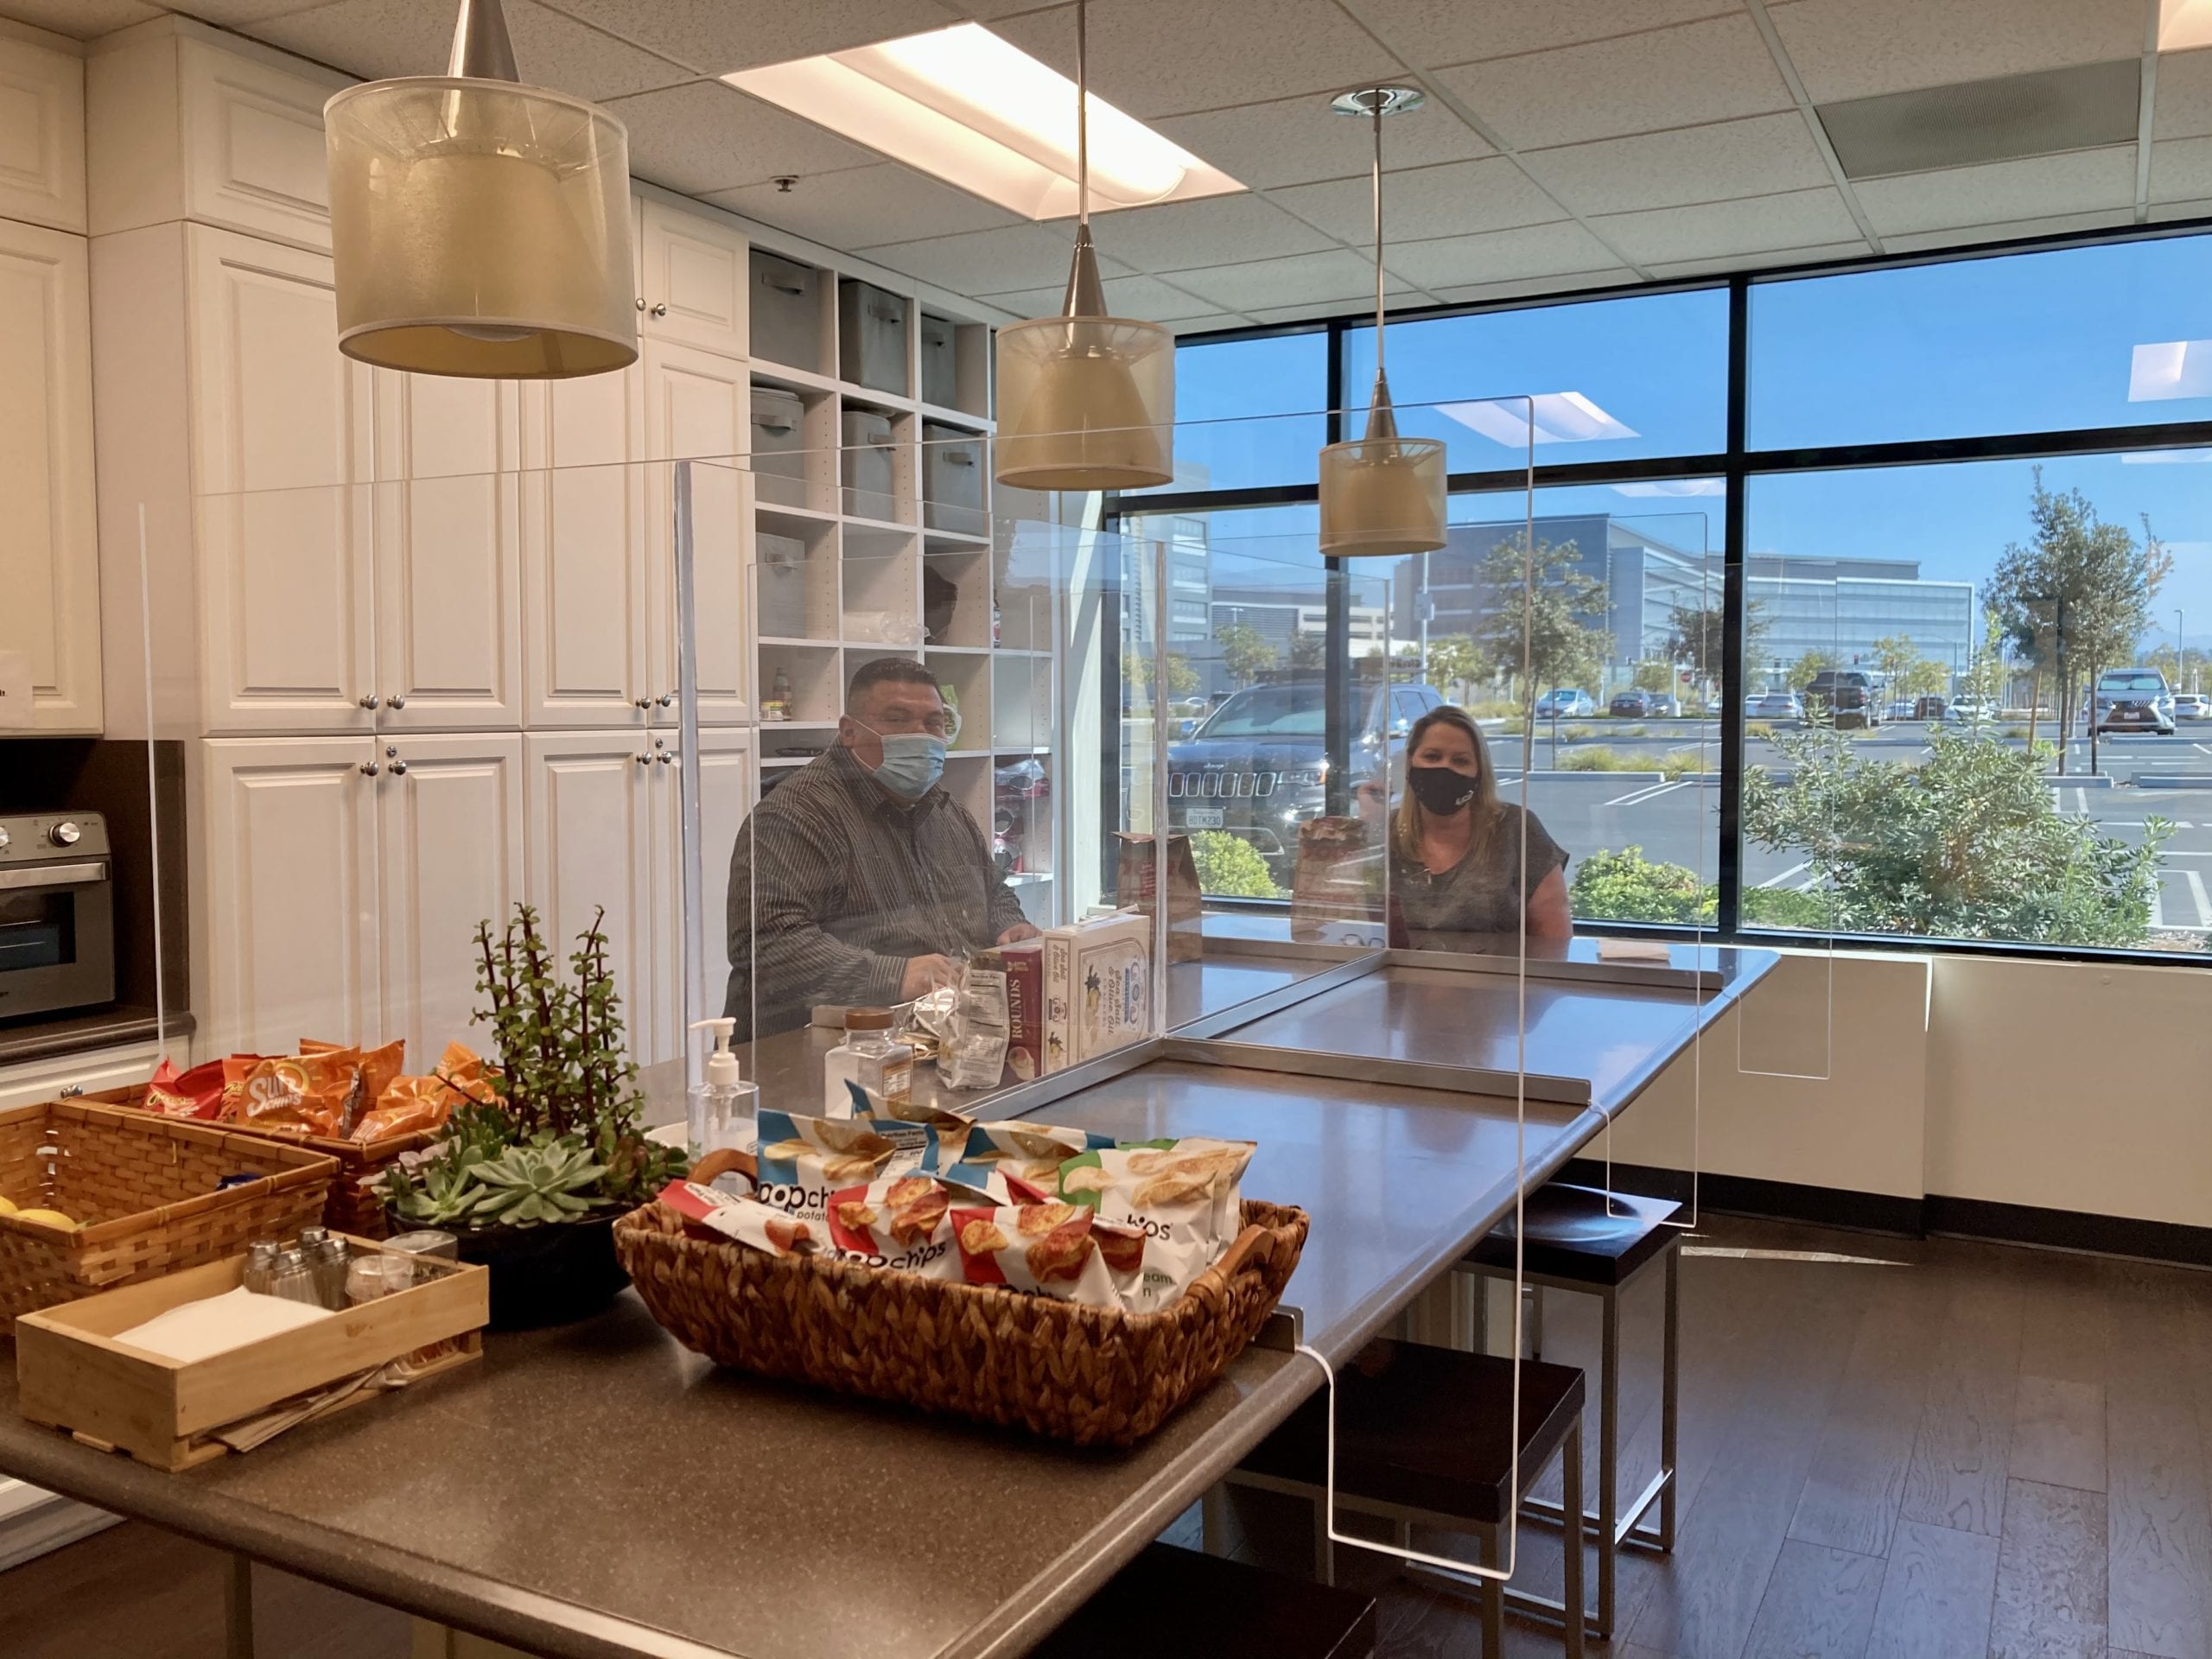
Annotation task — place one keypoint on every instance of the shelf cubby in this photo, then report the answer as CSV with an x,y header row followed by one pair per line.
x,y
956,598
966,676
795,573
814,674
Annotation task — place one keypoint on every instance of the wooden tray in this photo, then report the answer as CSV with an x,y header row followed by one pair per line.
x,y
72,1375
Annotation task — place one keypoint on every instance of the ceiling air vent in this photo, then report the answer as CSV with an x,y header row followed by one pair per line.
x,y
2085,107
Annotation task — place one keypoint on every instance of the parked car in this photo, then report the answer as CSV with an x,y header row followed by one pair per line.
x,y
1258,766
1962,711
2191,705
1901,709
1776,705
1850,696
1929,707
1664,705
1629,705
2134,700
1565,703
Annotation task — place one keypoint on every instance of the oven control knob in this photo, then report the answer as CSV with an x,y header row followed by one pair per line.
x,y
65,833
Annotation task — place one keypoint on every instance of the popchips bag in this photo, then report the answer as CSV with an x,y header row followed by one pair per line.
x,y
746,1220
1029,1152
902,1222
1183,1196
1049,1250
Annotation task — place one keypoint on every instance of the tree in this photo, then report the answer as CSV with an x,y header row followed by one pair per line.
x,y
1813,663
1697,635
1897,657
1453,662
1967,845
1654,676
1307,650
1923,676
1538,623
1231,867
1245,651
2104,577
1136,676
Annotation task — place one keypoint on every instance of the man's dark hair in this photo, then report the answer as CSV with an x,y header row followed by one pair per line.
x,y
887,670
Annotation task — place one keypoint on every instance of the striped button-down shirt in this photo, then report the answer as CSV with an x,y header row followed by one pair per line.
x,y
835,883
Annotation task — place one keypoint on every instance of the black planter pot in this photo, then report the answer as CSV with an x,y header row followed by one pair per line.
x,y
548,1274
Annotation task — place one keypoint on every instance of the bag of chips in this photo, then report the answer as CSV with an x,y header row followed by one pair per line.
x,y
1048,1250
748,1221
1183,1196
1033,1152
802,1161
902,1222
313,1094
406,1106
197,1093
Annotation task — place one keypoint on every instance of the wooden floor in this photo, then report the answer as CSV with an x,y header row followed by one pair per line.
x,y
1889,1448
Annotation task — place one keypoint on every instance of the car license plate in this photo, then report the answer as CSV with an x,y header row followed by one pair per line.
x,y
1202,817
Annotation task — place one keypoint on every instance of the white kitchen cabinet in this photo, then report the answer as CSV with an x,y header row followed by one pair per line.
x,y
282,426
41,136
585,552
699,406
83,1074
590,826
451,848
726,774
285,903
694,275
449,554
49,551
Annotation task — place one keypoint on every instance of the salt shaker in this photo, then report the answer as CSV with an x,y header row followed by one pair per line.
x,y
294,1279
260,1265
330,1262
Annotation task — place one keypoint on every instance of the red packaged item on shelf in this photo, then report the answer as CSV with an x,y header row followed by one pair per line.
x,y
197,1093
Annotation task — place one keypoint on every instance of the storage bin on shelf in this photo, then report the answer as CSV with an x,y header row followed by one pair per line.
x,y
867,464
940,372
779,448
1088,1375
350,1207
144,1191
871,336
952,479
786,313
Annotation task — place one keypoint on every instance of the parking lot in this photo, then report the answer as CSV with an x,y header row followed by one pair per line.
x,y
1678,822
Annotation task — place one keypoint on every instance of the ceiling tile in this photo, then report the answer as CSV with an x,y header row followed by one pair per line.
x,y
2110,219
1297,140
1774,259
1298,313
1455,198
1215,231
1301,279
2181,104
1763,155
1126,296
1497,256
376,38
233,14
703,135
1797,218
2181,168
987,261
2079,184
1206,324
1613,277
1453,31
1677,77
715,37
83,20
858,204
2162,211
1167,57
1854,48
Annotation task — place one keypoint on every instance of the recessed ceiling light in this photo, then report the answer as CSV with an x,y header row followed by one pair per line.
x,y
1555,417
979,112
2167,458
2184,23
1674,487
2170,368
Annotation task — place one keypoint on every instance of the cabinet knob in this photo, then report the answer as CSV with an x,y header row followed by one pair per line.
x,y
642,703
641,301
667,699
370,768
395,701
666,756
399,768
661,310
643,760
370,701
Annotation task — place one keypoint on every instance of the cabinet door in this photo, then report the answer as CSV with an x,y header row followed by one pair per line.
x,y
41,136
696,274
282,427
49,556
590,849
449,836
699,406
725,798
288,903
585,551
449,563
253,147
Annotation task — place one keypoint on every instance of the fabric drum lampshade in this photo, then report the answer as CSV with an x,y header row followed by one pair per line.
x,y
1381,496
480,228
1085,403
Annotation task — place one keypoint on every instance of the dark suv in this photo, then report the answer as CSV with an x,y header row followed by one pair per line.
x,y
1257,766
1849,694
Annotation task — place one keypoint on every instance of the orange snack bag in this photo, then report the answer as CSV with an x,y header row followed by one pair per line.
x,y
235,1069
406,1105
315,1093
196,1093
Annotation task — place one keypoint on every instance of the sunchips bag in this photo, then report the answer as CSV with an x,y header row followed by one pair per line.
x,y
1027,1151
313,1094
1047,1250
746,1220
378,1065
1185,1196
902,1222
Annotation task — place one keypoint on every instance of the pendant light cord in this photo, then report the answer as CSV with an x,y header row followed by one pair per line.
x,y
1376,117
1082,118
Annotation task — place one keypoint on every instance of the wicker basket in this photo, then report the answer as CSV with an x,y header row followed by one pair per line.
x,y
144,1189
352,1207
1088,1375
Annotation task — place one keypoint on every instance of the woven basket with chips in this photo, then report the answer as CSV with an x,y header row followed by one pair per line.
x,y
147,1195
1093,1375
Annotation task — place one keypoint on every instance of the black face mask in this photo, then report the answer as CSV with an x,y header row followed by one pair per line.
x,y
1440,789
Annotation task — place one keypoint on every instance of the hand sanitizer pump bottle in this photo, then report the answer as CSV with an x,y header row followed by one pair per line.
x,y
722,1109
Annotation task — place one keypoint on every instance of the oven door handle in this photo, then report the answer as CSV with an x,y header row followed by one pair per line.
x,y
54,875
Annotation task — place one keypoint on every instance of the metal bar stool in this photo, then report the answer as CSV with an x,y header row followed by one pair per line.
x,y
1578,1240
1423,1438
1171,1601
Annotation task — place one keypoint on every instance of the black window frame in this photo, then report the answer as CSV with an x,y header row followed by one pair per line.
x,y
1736,465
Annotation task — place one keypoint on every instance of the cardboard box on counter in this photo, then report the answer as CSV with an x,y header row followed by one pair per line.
x,y
1098,987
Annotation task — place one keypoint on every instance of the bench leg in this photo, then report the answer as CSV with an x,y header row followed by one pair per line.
x,y
1324,1550
1570,1539
1213,1519
1492,1594
238,1608
1670,1362
1609,1428
1535,1321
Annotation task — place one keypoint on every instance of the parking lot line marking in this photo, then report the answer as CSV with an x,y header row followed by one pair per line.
x,y
1776,881
1648,792
2197,892
2200,748
2082,801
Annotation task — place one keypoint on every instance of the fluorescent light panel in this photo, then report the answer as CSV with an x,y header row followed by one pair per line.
x,y
2184,24
2169,368
981,113
1547,417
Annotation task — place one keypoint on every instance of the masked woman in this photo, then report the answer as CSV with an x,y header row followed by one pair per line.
x,y
1458,864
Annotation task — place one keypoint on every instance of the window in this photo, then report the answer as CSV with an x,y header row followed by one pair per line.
x,y
1222,385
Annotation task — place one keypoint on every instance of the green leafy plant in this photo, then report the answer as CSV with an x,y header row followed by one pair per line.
x,y
1231,867
524,1186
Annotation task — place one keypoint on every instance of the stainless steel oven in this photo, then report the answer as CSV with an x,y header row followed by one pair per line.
x,y
57,915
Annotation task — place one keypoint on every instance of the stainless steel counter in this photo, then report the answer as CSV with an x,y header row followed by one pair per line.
x,y
546,1496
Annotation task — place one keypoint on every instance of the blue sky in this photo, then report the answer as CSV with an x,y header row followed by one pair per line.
x,y
2078,337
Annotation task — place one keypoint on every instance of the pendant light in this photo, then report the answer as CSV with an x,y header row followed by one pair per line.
x,y
1381,495
478,226
1085,401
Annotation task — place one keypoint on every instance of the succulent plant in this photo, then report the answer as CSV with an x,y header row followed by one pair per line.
x,y
526,1185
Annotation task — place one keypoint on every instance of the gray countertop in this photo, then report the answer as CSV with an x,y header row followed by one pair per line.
x,y
597,1490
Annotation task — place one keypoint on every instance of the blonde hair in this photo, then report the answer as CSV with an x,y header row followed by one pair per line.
x,y
1406,832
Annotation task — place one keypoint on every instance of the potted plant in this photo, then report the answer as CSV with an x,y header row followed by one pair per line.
x,y
547,1150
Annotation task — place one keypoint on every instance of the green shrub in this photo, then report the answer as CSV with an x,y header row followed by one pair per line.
x,y
1679,762
1603,759
1786,907
1758,729
1626,887
1230,868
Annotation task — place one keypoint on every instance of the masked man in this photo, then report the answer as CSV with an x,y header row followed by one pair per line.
x,y
860,881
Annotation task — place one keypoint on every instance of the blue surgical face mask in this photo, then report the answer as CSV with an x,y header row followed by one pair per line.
x,y
912,762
